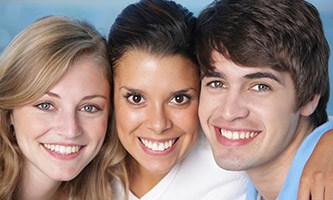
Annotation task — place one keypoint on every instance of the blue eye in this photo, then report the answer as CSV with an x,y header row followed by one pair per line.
x,y
45,106
90,108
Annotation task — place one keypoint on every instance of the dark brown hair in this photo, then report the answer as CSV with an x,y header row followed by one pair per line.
x,y
284,34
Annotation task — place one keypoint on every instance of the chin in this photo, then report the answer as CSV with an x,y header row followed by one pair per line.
x,y
161,169
65,176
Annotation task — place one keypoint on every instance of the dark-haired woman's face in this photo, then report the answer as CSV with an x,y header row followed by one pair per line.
x,y
156,104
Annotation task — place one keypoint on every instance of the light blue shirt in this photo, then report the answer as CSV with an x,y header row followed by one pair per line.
x,y
290,187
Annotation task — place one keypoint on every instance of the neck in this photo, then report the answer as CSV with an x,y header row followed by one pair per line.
x,y
35,186
269,178
142,180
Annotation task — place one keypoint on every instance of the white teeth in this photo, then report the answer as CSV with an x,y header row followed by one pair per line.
x,y
237,135
158,146
65,150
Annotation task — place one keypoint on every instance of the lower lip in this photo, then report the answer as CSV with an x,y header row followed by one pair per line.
x,y
227,142
158,153
63,156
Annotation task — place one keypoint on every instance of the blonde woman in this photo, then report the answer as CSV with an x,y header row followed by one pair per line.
x,y
54,111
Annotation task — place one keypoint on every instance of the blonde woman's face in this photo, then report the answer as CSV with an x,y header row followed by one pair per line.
x,y
156,104
60,133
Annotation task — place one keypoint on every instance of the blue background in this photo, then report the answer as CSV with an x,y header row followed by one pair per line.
x,y
15,15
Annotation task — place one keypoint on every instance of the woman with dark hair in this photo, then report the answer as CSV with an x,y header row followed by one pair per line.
x,y
156,96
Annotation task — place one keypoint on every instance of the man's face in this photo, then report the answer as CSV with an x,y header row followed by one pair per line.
x,y
248,115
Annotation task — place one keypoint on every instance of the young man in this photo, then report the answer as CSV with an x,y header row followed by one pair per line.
x,y
265,89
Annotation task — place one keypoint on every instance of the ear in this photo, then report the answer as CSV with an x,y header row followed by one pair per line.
x,y
311,106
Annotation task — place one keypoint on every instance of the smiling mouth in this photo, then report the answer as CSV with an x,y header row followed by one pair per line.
x,y
236,135
64,150
158,146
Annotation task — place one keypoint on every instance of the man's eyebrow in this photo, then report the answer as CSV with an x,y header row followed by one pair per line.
x,y
214,74
257,75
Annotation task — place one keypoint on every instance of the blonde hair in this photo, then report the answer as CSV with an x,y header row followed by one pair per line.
x,y
32,63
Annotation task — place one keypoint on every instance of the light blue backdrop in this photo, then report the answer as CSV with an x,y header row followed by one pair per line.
x,y
17,14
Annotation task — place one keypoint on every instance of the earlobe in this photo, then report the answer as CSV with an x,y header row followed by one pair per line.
x,y
311,106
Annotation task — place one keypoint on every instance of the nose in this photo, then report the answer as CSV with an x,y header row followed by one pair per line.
x,y
233,106
69,124
158,119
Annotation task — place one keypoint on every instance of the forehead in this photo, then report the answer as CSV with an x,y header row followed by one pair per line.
x,y
139,62
145,71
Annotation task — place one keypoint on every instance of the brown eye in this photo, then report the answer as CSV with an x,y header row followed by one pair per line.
x,y
180,99
135,99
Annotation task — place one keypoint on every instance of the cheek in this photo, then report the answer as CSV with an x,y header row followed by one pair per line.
x,y
104,126
273,112
27,131
95,128
187,120
128,120
206,106
29,126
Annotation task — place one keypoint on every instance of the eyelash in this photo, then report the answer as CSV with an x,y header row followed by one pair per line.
x,y
187,99
259,89
256,87
131,101
128,97
95,108
40,106
211,84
